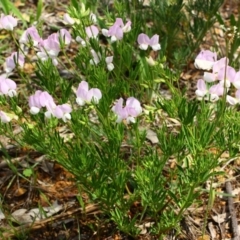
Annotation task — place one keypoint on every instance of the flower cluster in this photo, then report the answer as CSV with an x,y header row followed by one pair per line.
x,y
144,41
15,59
92,32
44,99
129,112
7,87
116,32
50,48
117,29
84,95
222,73
30,36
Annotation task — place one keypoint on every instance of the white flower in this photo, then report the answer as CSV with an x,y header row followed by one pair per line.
x,y
68,19
110,65
93,17
96,58
81,41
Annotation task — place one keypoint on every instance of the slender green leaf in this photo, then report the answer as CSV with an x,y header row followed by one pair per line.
x,y
4,4
39,9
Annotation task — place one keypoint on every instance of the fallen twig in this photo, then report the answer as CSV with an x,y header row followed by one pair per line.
x,y
232,211
90,209
5,163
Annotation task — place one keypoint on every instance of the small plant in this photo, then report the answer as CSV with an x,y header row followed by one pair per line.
x,y
112,94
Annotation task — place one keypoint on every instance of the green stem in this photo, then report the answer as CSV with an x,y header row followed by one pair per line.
x,y
185,205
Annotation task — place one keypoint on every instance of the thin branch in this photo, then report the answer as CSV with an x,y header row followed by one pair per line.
x,y
232,211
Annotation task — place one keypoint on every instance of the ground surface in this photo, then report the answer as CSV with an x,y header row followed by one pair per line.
x,y
52,185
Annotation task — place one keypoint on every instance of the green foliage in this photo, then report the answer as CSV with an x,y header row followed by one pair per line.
x,y
39,9
5,6
180,24
116,178
28,172
132,180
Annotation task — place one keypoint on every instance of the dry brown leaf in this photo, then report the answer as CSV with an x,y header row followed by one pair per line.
x,y
19,192
143,227
220,218
23,216
152,136
2,216
204,237
29,68
212,230
236,192
18,3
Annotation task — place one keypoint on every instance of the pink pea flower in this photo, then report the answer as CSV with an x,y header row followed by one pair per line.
x,y
40,99
7,22
221,63
4,117
92,31
109,63
50,106
216,67
30,36
15,58
154,43
65,36
144,41
237,94
62,112
215,92
34,102
117,29
234,100
129,112
125,28
115,32
201,89
226,76
85,95
236,80
7,87
205,60
49,48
